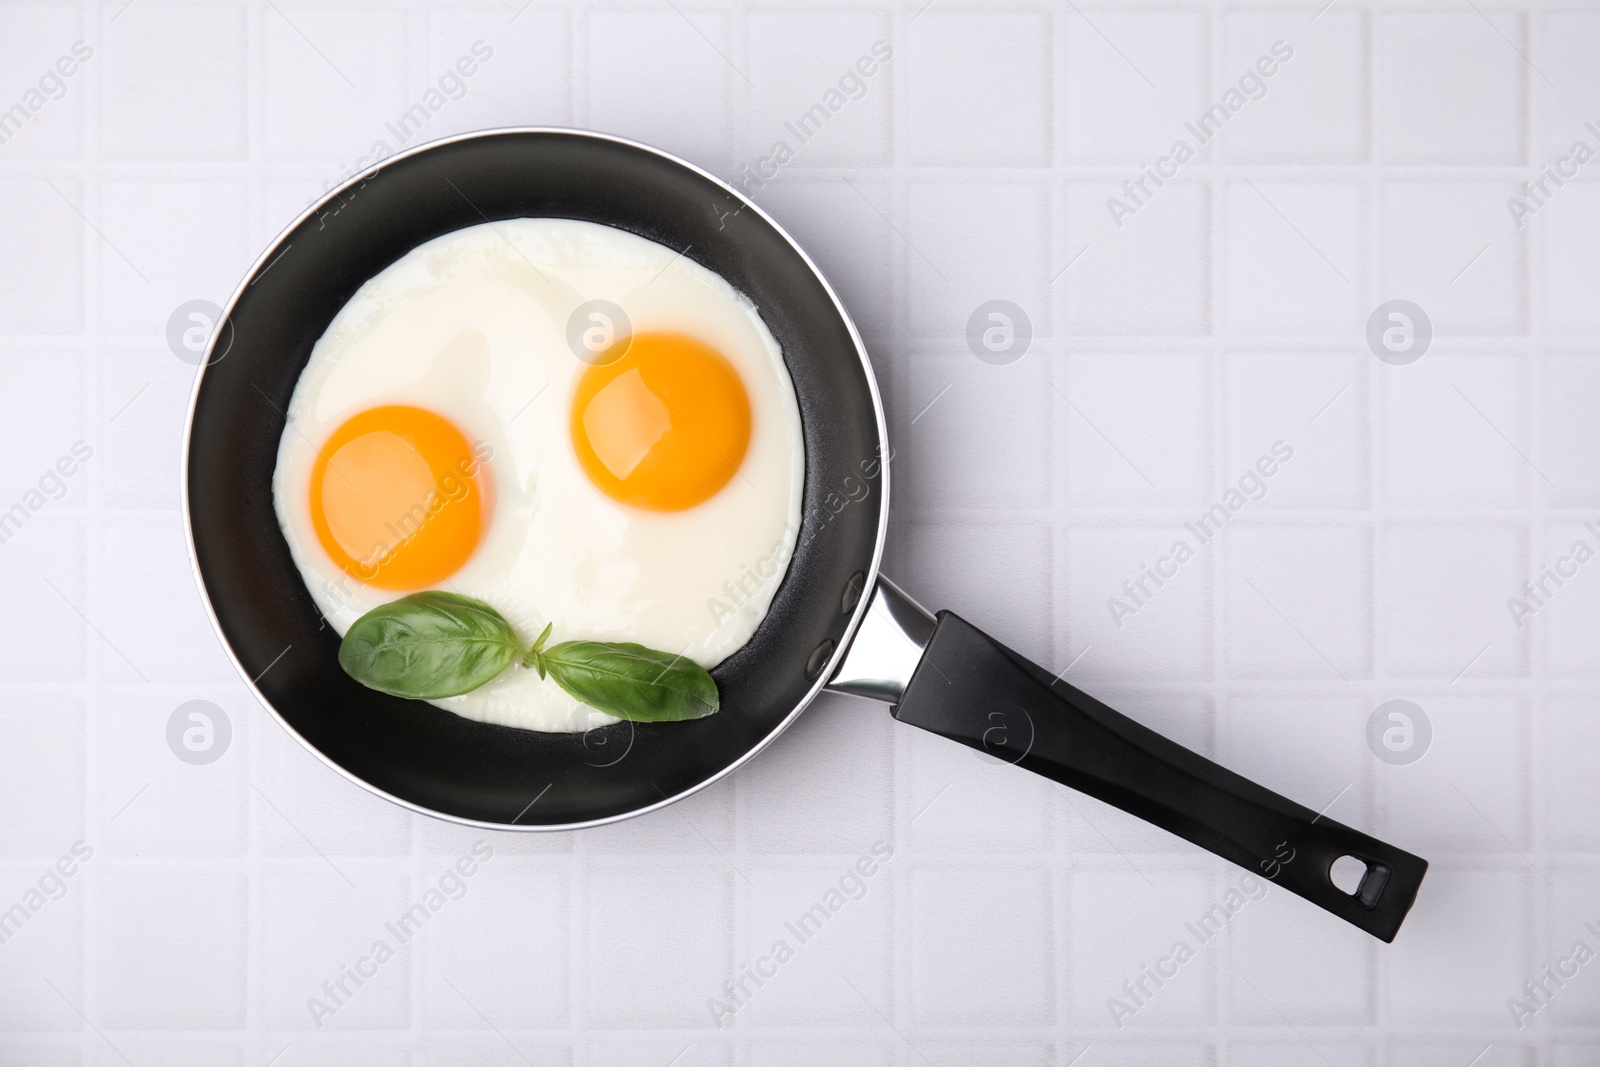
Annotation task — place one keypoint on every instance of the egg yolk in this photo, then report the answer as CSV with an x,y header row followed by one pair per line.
x,y
398,497
662,426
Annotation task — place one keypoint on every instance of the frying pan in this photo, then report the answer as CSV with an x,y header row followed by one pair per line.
x,y
835,621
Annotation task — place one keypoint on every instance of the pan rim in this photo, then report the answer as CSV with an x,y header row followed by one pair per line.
x,y
871,572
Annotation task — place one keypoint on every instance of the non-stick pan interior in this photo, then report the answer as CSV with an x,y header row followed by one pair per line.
x,y
412,751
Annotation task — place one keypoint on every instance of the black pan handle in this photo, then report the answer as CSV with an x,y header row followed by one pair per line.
x,y
972,689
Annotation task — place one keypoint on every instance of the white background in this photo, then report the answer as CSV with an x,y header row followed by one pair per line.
x,y
1228,313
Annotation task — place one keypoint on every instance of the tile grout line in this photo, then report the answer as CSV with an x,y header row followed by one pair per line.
x,y
95,663
1535,649
1057,373
1221,965
1376,435
1374,495
1219,368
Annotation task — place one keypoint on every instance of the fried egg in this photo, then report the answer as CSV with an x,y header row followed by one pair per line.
x,y
575,424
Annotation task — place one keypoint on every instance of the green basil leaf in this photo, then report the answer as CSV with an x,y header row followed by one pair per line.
x,y
631,681
429,645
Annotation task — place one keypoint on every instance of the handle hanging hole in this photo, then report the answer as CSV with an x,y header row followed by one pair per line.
x,y
1347,873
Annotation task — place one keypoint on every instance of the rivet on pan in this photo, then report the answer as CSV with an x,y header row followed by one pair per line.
x,y
819,658
852,592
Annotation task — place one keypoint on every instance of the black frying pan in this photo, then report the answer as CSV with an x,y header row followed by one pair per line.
x,y
834,620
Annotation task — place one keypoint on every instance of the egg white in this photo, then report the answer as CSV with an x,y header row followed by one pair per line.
x,y
473,326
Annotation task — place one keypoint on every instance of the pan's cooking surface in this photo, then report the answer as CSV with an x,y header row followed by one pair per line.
x,y
432,759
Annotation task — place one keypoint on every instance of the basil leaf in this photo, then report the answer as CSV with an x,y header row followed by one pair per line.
x,y
428,645
631,681
431,645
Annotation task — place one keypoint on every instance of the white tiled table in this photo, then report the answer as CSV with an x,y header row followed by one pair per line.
x,y
1226,314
